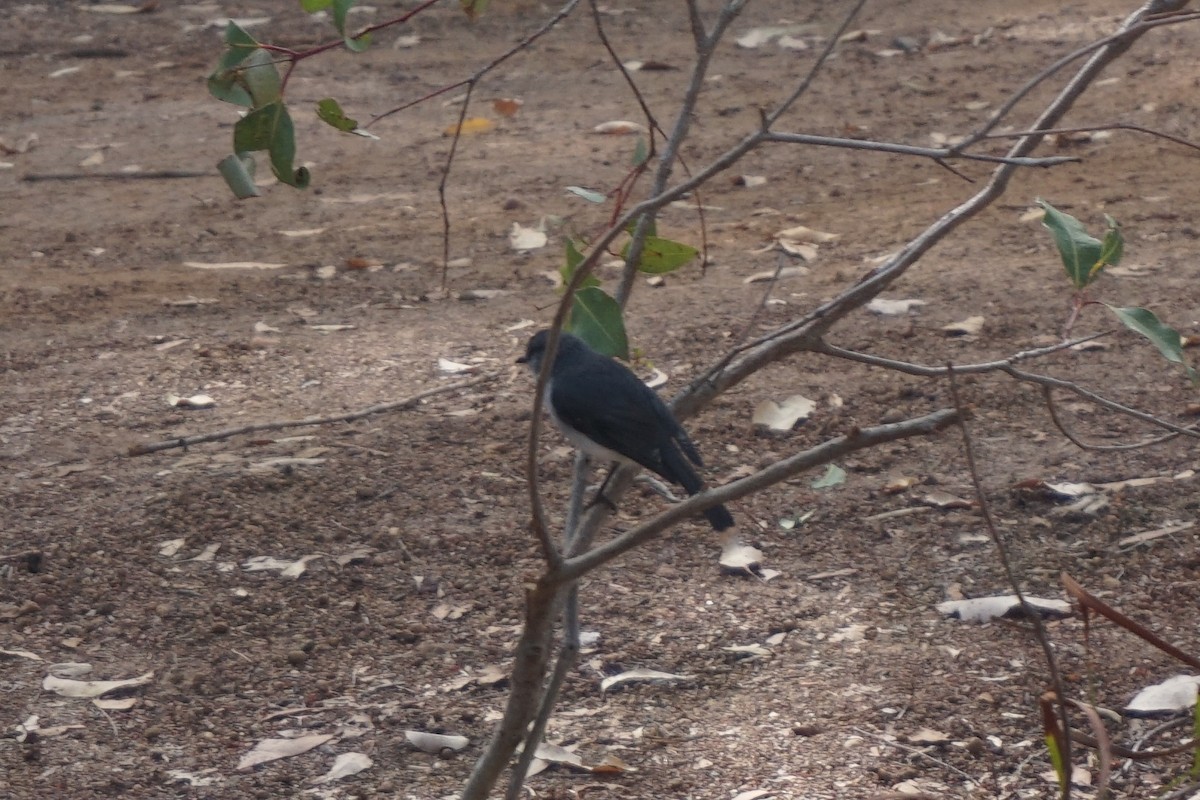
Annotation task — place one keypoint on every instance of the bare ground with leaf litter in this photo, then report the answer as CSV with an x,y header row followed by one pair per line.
x,y
416,520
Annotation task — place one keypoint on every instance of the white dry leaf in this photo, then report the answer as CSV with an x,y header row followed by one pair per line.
x,y
326,272
783,416
1089,506
941,499
69,669
641,675
286,569
262,327
773,274
115,704
525,239
659,378
162,347
196,401
855,632
65,71
453,367
207,554
406,41
806,251
792,43
757,37
619,127
435,742
739,558
301,233
982,609
275,749
20,654
234,265
332,328
801,233
750,181
967,327
1032,215
345,765
752,650
893,308
1175,695
171,548
94,160
355,556
491,675
928,736
557,754
89,689
1070,491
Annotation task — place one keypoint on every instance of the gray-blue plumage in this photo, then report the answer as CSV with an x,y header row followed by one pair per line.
x,y
607,412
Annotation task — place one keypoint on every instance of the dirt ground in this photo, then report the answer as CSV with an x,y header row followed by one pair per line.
x,y
411,525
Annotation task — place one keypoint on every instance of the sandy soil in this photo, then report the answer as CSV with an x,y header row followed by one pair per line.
x,y
414,522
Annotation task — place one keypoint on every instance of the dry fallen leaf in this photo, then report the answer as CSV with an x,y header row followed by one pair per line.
x,y
507,106
88,689
640,675
470,127
234,265
941,499
274,749
739,559
435,742
1175,695
982,609
892,308
195,401
345,765
523,239
783,416
967,327
619,127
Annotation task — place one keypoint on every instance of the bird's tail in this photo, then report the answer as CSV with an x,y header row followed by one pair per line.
x,y
678,470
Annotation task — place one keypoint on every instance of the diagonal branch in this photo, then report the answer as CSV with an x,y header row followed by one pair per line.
x,y
857,439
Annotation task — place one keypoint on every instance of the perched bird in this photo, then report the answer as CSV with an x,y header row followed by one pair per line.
x,y
607,412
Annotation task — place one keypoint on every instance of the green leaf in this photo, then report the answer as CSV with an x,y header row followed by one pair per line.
x,y
358,45
473,8
1113,246
270,128
227,87
640,152
591,195
340,8
240,44
596,318
1083,255
651,227
331,113
1163,336
574,259
313,6
834,476
238,171
254,83
662,255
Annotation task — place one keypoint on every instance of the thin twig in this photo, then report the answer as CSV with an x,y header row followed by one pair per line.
x,y
276,425
1113,126
939,154
1048,394
1008,367
857,439
1002,552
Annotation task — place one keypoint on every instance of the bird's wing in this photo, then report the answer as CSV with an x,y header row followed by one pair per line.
x,y
625,420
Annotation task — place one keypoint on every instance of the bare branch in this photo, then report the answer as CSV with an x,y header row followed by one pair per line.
x,y
1039,628
858,439
1115,126
1048,394
936,153
276,425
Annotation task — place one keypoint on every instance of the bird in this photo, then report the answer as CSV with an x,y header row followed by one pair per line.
x,y
607,412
